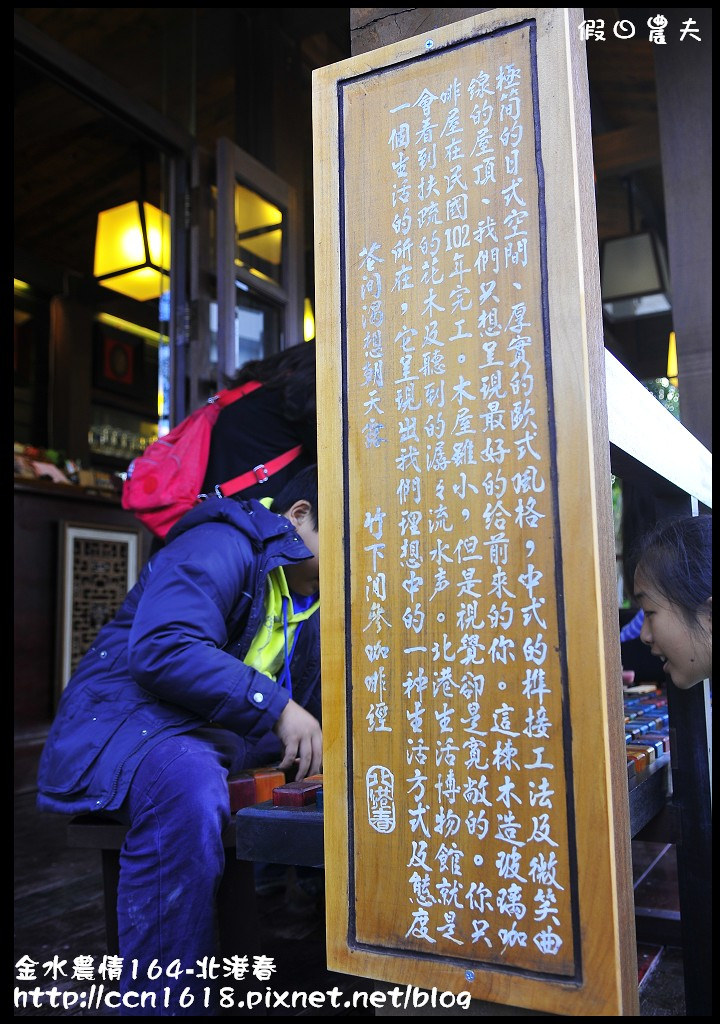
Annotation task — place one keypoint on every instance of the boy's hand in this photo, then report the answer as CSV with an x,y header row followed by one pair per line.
x,y
301,736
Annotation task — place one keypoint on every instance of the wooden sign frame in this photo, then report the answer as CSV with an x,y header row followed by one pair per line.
x,y
364,131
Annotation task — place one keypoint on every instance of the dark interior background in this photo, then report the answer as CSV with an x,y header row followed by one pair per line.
x,y
233,73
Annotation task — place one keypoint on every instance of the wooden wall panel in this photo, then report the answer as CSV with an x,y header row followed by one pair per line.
x,y
39,509
476,813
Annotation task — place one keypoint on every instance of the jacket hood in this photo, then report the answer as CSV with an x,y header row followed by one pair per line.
x,y
256,522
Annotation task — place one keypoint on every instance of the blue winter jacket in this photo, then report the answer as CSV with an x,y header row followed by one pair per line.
x,y
171,659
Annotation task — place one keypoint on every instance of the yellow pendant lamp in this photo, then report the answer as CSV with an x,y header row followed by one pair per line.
x,y
132,250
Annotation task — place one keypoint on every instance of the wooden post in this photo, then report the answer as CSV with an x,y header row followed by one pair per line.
x,y
477,831
683,71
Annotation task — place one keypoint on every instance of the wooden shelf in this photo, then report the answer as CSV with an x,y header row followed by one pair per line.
x,y
69,490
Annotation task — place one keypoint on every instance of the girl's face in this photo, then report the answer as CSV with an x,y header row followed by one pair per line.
x,y
686,650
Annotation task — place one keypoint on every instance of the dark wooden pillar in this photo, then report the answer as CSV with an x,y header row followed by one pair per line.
x,y
71,330
684,82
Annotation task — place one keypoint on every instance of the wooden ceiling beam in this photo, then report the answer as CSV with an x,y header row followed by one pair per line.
x,y
625,150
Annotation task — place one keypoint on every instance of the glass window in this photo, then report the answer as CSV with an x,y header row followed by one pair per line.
x,y
259,266
258,235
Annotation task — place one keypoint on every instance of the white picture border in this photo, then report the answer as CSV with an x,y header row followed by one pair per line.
x,y
69,533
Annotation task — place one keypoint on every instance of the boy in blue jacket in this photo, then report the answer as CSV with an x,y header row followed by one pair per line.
x,y
214,653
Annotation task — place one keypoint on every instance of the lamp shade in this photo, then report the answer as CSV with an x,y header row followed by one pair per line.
x,y
132,250
634,277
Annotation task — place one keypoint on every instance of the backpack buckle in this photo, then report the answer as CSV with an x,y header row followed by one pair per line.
x,y
261,474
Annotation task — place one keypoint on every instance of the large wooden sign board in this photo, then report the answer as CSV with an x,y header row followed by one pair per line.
x,y
476,820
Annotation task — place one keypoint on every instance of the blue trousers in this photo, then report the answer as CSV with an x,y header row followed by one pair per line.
x,y
171,865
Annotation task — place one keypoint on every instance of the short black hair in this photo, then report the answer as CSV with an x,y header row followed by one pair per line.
x,y
302,487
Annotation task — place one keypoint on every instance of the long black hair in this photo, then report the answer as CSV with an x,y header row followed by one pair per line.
x,y
675,558
292,373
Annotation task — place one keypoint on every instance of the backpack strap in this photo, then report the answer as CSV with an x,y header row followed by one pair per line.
x,y
259,475
262,473
226,397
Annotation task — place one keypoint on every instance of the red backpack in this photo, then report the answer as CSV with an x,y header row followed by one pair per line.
x,y
166,480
